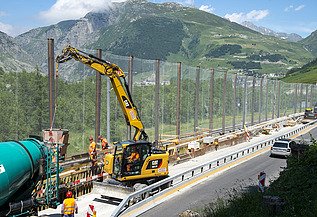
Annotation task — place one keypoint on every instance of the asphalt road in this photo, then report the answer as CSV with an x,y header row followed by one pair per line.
x,y
237,178
221,186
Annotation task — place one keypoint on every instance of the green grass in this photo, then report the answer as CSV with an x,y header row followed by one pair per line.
x,y
309,77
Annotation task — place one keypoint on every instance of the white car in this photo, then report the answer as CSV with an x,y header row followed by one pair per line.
x,y
282,147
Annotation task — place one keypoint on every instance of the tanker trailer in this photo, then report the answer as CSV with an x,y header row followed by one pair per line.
x,y
22,165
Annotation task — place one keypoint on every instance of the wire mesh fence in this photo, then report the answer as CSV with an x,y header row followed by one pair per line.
x,y
172,99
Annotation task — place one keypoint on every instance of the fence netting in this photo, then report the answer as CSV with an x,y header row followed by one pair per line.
x,y
187,101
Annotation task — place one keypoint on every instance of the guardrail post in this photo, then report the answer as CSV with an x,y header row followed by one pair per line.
x,y
211,99
224,106
234,104
157,101
197,90
179,74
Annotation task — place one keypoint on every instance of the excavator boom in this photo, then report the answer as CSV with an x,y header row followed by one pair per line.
x,y
115,75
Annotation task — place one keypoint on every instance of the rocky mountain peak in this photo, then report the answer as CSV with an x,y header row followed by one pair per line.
x,y
266,31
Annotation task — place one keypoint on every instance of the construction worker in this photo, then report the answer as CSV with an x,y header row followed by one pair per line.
x,y
69,206
133,158
134,155
104,144
216,142
92,151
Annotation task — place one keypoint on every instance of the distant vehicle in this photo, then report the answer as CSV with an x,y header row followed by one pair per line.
x,y
309,114
282,147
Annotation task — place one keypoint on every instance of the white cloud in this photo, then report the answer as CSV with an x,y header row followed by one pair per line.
x,y
3,13
6,28
207,8
288,8
73,9
299,7
293,8
254,15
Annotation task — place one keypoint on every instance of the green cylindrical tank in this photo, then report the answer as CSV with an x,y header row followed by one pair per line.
x,y
19,162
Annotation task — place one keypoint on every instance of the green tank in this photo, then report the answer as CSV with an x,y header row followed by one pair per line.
x,y
19,164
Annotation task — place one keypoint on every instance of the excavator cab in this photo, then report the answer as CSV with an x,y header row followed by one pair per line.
x,y
136,161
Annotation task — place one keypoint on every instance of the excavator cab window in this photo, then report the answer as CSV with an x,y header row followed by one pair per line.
x,y
118,161
134,157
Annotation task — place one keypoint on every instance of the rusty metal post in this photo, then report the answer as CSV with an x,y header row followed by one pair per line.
x,y
234,104
224,93
244,109
261,100
278,98
253,100
306,95
178,102
211,100
98,99
51,80
130,83
311,96
157,102
266,99
196,106
300,97
273,98
108,109
295,99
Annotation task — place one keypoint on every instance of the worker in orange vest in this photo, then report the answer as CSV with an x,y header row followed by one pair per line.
x,y
104,144
92,151
69,207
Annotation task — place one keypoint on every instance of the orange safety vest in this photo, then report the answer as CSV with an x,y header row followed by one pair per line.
x,y
92,148
134,156
69,206
104,144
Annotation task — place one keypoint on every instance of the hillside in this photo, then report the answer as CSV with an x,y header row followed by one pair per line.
x,y
167,31
304,74
175,33
310,43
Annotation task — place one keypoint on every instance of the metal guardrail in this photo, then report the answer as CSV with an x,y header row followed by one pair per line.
x,y
140,197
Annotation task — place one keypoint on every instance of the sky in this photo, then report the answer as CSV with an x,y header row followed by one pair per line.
x,y
289,16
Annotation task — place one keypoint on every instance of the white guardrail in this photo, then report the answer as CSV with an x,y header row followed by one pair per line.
x,y
150,192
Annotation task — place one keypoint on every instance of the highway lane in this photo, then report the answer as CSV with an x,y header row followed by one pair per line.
x,y
220,186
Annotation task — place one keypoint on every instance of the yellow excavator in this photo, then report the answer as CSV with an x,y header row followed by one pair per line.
x,y
133,161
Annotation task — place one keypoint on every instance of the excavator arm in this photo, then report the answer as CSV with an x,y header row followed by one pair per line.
x,y
115,75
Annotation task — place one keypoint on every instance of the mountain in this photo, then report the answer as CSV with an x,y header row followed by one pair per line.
x,y
167,31
265,31
11,54
310,43
78,33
